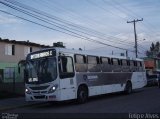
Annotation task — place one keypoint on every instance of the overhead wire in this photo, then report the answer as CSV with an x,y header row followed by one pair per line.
x,y
125,10
115,8
88,39
49,22
100,34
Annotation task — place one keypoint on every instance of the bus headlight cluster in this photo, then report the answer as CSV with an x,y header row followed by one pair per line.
x,y
52,89
27,91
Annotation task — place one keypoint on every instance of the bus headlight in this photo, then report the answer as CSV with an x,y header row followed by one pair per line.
x,y
52,89
27,91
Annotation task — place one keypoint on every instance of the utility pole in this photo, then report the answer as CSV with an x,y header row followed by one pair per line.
x,y
135,35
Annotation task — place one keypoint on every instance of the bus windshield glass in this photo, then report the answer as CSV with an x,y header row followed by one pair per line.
x,y
41,70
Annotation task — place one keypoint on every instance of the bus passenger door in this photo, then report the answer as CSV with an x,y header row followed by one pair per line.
x,y
66,74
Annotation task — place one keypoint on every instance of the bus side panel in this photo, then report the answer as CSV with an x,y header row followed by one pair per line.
x,y
96,90
138,80
101,83
68,89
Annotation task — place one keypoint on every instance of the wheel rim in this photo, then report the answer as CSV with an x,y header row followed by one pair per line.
x,y
83,96
129,88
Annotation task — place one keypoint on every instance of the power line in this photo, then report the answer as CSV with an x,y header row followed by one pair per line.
x,y
88,39
133,13
106,9
112,13
124,9
91,20
49,22
108,37
34,10
96,41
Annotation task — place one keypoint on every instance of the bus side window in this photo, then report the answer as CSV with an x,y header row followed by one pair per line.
x,y
93,64
66,67
124,65
135,66
115,62
132,69
105,60
80,59
128,63
135,63
80,63
139,64
119,62
124,62
116,65
105,64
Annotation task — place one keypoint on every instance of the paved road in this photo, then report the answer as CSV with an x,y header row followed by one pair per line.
x,y
146,100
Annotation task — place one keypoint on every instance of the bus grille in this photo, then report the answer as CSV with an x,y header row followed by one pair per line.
x,y
40,87
39,97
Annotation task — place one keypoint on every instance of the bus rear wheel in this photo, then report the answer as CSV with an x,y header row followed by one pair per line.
x,y
82,94
128,88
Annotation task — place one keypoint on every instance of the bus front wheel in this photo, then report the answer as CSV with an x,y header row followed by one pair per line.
x,y
82,94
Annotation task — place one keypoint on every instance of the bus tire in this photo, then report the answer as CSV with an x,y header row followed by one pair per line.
x,y
128,88
82,94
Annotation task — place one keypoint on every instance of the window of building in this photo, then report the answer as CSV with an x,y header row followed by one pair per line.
x,y
27,50
9,49
30,49
13,49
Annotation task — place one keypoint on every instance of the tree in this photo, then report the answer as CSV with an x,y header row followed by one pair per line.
x,y
157,46
152,47
154,50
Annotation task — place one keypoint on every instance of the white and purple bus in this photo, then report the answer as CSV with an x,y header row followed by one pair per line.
x,y
58,74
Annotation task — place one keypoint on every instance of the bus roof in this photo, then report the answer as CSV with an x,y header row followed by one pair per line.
x,y
85,52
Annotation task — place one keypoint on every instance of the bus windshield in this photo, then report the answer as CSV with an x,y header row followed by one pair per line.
x,y
41,70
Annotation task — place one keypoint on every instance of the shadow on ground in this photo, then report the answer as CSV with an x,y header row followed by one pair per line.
x,y
90,100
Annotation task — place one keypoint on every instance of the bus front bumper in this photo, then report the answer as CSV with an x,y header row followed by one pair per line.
x,y
43,97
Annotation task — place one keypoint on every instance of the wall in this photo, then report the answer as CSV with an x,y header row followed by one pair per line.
x,y
19,53
15,84
3,66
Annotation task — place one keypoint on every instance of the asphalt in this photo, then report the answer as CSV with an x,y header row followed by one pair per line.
x,y
11,103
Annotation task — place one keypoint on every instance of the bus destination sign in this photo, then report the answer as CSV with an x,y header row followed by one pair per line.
x,y
41,54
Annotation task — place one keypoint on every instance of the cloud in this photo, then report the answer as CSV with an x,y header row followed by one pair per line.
x,y
122,36
8,19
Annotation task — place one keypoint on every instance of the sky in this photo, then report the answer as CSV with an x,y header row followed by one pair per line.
x,y
77,23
